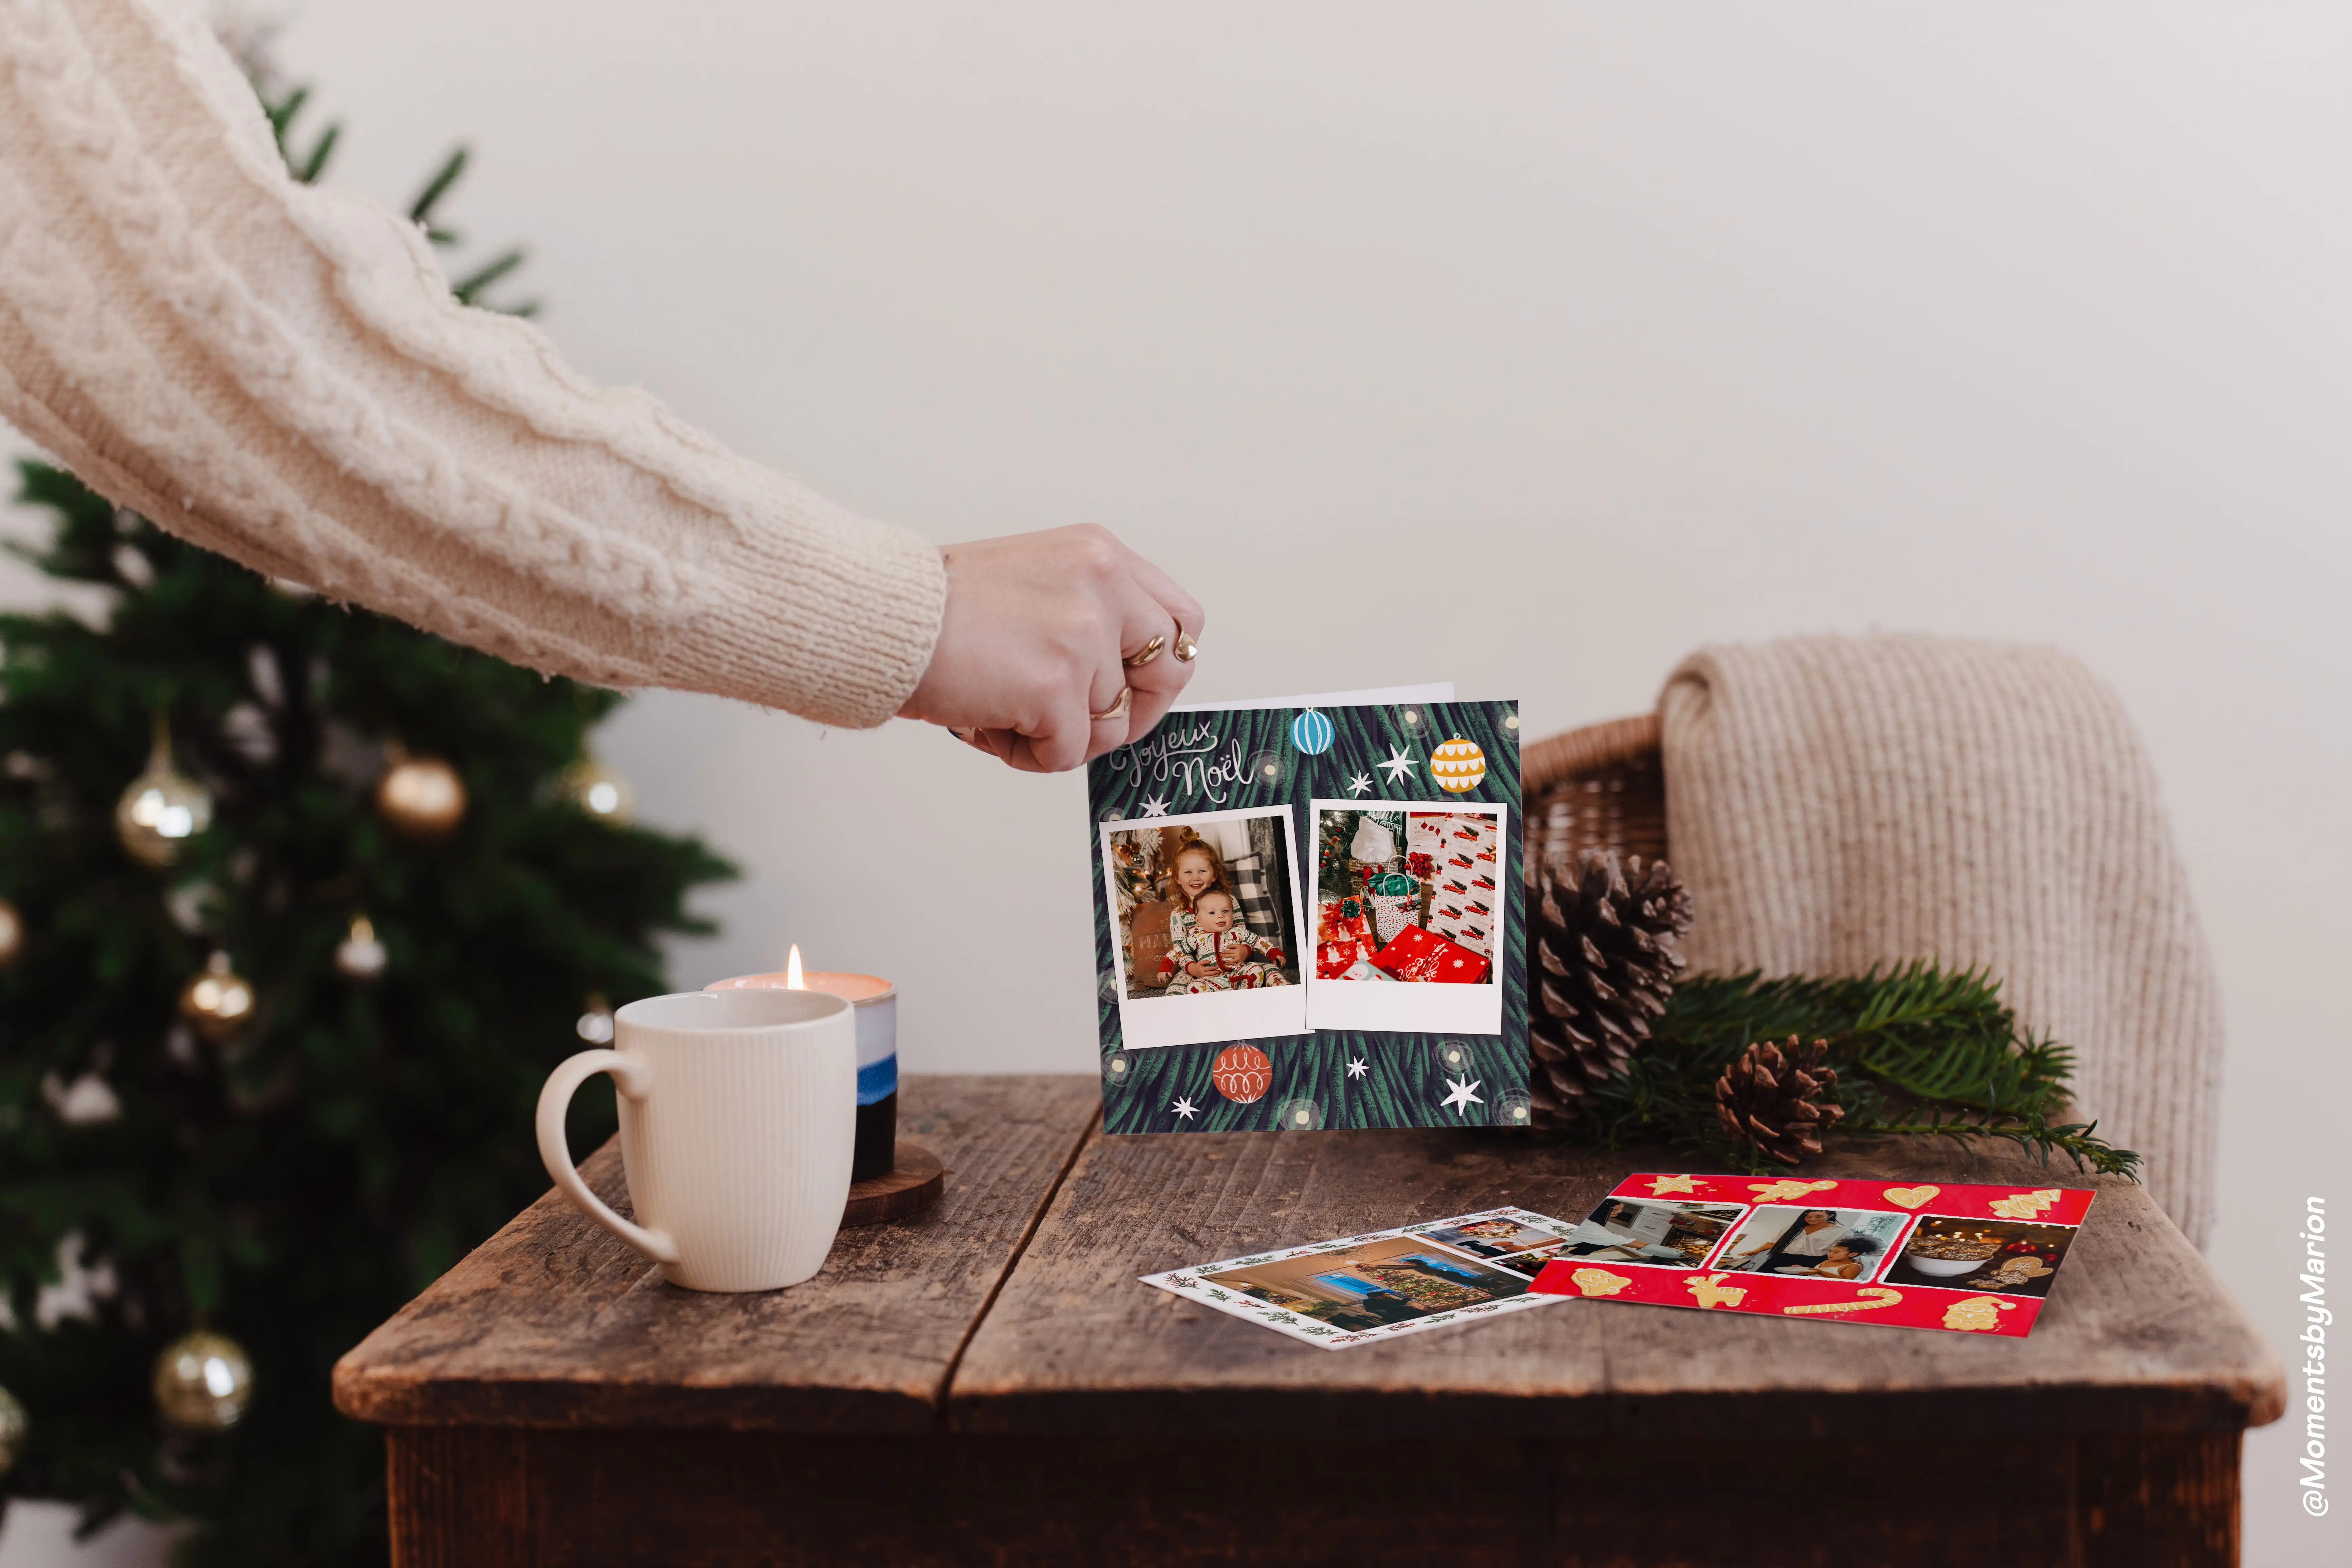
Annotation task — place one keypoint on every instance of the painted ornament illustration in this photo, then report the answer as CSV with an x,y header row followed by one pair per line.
x,y
1312,733
1241,1074
1458,766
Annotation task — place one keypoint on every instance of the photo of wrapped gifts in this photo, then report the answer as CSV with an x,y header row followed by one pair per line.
x,y
1408,895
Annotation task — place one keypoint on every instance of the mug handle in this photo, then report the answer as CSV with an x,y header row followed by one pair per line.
x,y
635,1079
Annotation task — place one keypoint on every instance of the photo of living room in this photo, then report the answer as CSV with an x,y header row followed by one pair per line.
x,y
1395,1280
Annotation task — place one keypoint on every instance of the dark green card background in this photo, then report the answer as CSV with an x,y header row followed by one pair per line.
x,y
1405,1083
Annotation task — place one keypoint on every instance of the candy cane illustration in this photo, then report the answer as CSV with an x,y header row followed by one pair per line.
x,y
1884,1298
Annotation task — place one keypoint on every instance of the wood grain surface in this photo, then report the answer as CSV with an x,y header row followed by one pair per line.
x,y
556,1498
2138,1335
552,1322
913,1184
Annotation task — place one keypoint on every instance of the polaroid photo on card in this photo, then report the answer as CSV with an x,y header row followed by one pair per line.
x,y
1411,914
1823,1242
1334,1294
1207,920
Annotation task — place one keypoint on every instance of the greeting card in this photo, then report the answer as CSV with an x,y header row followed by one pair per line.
x,y
1912,1254
1334,1294
1266,875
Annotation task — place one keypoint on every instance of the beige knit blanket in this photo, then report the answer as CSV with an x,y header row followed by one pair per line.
x,y
1836,802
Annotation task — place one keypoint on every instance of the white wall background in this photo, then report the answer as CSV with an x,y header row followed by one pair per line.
x,y
1667,323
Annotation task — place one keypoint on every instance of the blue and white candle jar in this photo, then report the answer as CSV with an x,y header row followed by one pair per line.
x,y
875,1001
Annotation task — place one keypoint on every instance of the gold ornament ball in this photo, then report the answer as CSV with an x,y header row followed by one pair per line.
x,y
218,1001
422,798
15,1427
360,956
599,792
160,811
12,933
204,1382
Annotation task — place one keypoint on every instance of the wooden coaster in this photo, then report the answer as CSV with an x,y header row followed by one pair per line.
x,y
913,1185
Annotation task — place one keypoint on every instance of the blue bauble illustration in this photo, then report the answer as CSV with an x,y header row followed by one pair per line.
x,y
1311,732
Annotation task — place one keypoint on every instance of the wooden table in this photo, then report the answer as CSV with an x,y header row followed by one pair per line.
x,y
989,1384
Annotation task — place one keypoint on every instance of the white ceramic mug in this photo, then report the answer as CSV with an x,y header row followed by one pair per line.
x,y
738,1113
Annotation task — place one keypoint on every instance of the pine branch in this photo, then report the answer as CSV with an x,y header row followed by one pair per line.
x,y
1920,1052
421,209
482,277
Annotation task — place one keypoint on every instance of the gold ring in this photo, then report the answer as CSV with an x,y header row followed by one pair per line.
x,y
1150,651
1117,709
1187,650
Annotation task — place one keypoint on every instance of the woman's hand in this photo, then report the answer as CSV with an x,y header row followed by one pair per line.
x,y
1034,643
1235,952
1200,970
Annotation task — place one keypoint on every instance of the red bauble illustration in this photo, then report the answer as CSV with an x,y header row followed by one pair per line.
x,y
1241,1074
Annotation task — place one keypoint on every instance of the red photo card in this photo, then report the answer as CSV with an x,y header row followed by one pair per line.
x,y
1916,1255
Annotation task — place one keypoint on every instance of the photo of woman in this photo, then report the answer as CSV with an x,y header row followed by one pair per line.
x,y
1824,1244
1627,1230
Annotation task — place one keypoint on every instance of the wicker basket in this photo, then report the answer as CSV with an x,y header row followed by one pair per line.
x,y
1600,787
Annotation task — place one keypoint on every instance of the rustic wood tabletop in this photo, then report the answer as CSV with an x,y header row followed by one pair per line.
x,y
989,1383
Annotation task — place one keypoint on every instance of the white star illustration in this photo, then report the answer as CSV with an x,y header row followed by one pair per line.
x,y
1156,806
1357,1068
1399,764
1360,783
1465,1094
1185,1108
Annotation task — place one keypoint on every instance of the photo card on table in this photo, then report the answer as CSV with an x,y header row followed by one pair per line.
x,y
1975,1259
1358,1289
1310,913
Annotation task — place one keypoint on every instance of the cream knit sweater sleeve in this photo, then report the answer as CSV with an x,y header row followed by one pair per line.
x,y
279,372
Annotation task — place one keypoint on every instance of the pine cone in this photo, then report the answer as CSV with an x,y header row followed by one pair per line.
x,y
1606,946
1771,1099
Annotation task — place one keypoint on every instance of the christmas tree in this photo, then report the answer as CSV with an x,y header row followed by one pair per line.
x,y
297,906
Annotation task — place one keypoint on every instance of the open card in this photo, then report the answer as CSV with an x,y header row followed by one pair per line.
x,y
1383,1283
1973,1259
1309,913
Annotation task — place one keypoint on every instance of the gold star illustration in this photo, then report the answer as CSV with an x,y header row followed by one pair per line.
x,y
1675,1185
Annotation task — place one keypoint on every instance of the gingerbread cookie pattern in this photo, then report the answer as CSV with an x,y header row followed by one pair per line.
x,y
1711,1291
2026,1206
1983,1312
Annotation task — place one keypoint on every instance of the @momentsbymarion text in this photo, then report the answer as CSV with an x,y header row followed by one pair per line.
x,y
2316,1319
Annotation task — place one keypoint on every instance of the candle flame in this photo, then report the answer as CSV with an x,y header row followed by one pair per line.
x,y
792,981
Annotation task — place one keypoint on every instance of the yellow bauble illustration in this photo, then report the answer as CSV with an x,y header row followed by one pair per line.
x,y
1458,766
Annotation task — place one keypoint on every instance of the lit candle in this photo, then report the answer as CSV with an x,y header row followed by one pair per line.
x,y
876,1002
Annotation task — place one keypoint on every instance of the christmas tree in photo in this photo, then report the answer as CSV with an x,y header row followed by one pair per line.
x,y
298,906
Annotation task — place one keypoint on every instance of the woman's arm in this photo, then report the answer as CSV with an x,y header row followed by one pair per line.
x,y
278,372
